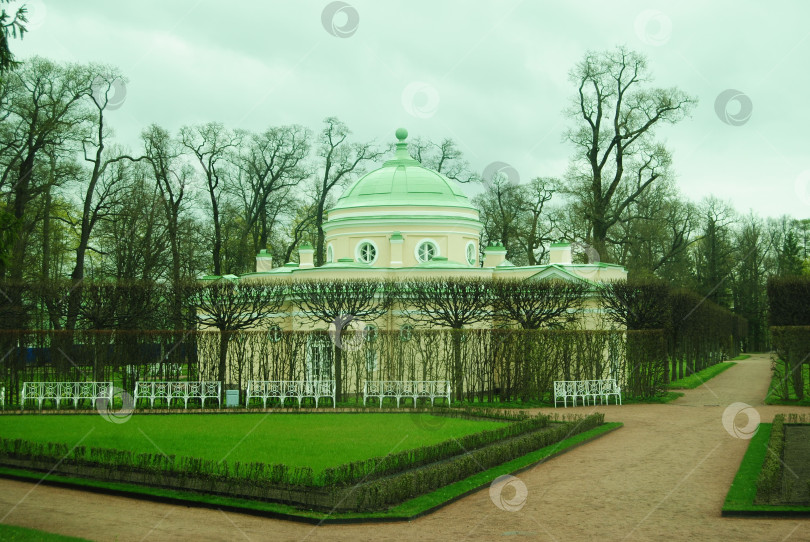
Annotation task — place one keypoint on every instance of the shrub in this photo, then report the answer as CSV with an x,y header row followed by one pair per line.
x,y
769,483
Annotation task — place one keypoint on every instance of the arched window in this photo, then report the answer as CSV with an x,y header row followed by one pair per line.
x,y
366,252
472,253
330,254
274,333
405,332
426,250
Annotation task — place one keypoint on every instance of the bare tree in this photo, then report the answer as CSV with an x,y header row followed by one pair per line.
x,y
533,304
535,234
341,160
43,110
172,178
271,164
501,211
213,146
444,157
448,302
339,303
230,307
101,188
617,157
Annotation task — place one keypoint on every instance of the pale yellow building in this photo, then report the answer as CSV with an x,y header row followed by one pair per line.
x,y
397,222
404,220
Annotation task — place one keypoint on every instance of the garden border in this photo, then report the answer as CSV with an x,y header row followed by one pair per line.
x,y
739,500
285,512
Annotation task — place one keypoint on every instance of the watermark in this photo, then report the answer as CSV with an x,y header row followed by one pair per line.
x,y
106,406
112,93
733,107
653,27
35,12
340,19
730,415
428,421
420,99
590,253
802,186
508,493
499,171
349,333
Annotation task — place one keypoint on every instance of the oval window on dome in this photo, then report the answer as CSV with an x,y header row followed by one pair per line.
x,y
426,251
366,252
472,256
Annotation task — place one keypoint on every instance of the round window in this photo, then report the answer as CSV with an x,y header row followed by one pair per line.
x,y
371,332
366,252
472,257
426,251
274,333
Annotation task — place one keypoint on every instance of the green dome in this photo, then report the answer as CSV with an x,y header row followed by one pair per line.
x,y
402,182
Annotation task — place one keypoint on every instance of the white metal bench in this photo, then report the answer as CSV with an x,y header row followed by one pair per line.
x,y
290,389
65,391
586,390
404,389
168,391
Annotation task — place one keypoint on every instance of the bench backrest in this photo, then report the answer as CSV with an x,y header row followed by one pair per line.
x,y
67,390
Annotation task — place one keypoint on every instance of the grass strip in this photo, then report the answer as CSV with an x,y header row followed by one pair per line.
x,y
12,533
694,380
743,490
406,511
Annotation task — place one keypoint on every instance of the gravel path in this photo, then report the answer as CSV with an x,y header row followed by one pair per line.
x,y
663,476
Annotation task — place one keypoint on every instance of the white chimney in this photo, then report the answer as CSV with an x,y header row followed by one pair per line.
x,y
264,261
560,253
306,255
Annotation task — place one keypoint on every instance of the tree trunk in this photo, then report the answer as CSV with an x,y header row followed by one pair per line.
x,y
320,237
222,370
458,375
217,250
338,369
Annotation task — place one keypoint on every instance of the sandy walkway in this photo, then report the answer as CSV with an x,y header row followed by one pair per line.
x,y
663,476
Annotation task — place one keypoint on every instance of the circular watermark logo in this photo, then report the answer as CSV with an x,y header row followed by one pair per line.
x,y
349,333
113,93
420,99
340,19
590,253
508,493
730,415
802,186
499,171
653,27
428,421
733,107
106,406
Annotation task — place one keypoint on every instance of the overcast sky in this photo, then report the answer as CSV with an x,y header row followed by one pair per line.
x,y
491,75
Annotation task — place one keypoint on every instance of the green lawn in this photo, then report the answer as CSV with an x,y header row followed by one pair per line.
x,y
315,440
694,380
407,511
10,533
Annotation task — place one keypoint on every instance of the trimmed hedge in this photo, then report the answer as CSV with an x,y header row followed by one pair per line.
x,y
789,301
382,493
298,485
769,483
